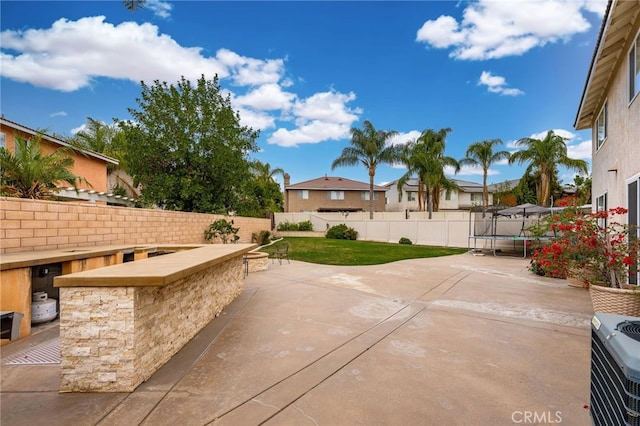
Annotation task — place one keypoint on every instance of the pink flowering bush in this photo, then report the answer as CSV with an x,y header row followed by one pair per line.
x,y
596,244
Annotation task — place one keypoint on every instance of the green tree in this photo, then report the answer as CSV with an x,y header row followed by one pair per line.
x,y
29,174
482,154
263,171
369,147
101,138
525,191
186,147
543,156
109,140
425,157
263,193
582,185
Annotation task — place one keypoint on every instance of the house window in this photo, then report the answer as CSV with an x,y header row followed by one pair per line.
x,y
303,194
365,195
601,205
335,195
634,68
3,140
601,127
476,197
450,195
412,196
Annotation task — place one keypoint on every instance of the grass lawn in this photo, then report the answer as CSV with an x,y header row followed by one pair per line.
x,y
347,252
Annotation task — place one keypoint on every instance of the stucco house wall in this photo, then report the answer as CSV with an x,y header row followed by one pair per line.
x,y
318,192
91,166
469,195
616,162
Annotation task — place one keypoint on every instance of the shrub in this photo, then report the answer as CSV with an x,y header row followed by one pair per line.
x,y
222,229
305,226
341,232
287,226
404,240
261,237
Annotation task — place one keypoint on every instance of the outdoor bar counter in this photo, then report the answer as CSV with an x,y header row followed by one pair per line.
x,y
121,323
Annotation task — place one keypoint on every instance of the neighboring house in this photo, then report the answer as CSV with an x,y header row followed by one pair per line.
x,y
90,165
331,194
610,106
468,195
503,192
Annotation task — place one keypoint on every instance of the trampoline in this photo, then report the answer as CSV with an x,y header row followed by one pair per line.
x,y
490,228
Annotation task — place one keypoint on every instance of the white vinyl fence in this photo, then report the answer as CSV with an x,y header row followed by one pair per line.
x,y
446,229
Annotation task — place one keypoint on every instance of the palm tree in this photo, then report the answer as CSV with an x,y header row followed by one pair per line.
x,y
29,174
263,171
134,5
481,154
543,156
369,147
425,158
101,138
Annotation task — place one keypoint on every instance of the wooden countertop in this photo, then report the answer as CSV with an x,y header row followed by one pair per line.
x,y
26,259
156,271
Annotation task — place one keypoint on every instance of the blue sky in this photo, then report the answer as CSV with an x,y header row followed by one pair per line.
x,y
304,73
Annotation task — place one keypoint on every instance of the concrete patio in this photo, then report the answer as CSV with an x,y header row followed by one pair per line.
x,y
459,340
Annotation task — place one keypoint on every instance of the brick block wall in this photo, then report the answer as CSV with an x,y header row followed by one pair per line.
x,y
31,225
114,338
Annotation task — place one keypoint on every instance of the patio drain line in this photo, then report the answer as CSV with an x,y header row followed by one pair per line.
x,y
43,353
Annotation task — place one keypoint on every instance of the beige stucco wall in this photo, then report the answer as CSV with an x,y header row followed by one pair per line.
x,y
28,225
618,159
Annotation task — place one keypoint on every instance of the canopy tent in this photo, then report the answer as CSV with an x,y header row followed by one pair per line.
x,y
526,209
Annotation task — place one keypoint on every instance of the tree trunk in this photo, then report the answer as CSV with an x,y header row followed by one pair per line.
x,y
371,176
545,189
485,194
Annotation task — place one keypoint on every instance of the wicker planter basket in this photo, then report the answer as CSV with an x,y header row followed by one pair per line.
x,y
575,281
620,301
576,277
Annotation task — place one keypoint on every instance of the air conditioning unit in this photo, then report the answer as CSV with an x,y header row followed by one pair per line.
x,y
615,370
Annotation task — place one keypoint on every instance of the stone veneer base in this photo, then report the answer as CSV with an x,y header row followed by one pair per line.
x,y
115,338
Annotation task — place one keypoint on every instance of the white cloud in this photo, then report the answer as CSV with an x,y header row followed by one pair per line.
x,y
313,132
580,150
58,114
403,138
441,33
496,84
70,54
159,8
495,29
267,97
250,71
326,106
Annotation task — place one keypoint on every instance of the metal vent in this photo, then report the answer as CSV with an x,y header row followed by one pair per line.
x,y
630,329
